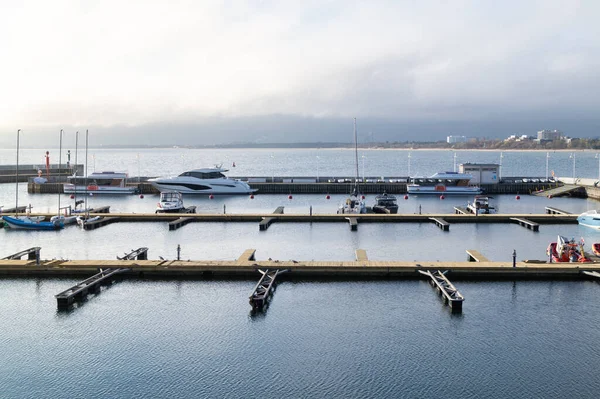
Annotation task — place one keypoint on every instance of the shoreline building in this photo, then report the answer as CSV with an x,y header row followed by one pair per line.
x,y
549,134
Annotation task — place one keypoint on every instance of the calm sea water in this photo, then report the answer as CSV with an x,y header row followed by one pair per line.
x,y
198,338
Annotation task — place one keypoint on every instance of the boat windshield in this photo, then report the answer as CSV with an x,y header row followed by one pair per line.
x,y
202,175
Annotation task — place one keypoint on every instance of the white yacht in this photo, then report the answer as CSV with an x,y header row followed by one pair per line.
x,y
202,181
443,183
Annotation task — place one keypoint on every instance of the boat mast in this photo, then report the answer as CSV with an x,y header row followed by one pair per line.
x,y
17,178
75,180
59,166
356,156
86,171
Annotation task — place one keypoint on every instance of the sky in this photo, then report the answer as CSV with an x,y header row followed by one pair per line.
x,y
210,72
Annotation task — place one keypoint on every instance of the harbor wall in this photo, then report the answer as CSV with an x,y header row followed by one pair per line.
x,y
8,172
323,188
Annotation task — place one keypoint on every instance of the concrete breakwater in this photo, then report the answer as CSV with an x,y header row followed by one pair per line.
x,y
292,187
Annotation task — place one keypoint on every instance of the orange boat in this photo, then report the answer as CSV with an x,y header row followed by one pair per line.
x,y
596,248
565,250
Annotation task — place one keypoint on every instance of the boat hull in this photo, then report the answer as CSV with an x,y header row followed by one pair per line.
x,y
596,249
73,189
590,219
28,224
443,190
201,187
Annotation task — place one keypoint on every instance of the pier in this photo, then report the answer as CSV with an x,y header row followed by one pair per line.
x,y
542,219
445,288
264,288
90,285
363,267
527,223
266,221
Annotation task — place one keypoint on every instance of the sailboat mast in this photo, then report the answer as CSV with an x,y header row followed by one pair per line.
x,y
17,175
86,165
356,154
59,165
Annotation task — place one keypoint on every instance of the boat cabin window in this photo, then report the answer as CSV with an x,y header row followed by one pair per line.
x,y
201,175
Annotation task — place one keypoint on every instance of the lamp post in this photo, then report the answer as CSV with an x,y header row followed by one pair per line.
x,y
501,156
454,161
409,156
573,156
59,165
318,168
598,156
547,158
272,168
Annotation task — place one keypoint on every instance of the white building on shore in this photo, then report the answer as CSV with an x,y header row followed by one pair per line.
x,y
456,139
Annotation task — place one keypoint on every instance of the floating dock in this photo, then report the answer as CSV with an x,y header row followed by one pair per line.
x,y
248,265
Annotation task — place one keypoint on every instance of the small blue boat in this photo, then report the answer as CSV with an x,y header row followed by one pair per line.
x,y
25,223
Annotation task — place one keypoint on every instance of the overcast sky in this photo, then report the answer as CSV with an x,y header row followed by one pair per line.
x,y
223,71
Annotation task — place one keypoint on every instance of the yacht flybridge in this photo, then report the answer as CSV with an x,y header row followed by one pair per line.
x,y
202,181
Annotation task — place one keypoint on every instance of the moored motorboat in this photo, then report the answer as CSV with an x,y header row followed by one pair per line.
x,y
565,250
481,205
202,181
596,248
82,219
385,203
99,183
170,202
27,223
590,219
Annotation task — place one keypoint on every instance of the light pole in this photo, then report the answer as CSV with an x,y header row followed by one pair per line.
x,y
573,156
409,156
363,167
318,168
59,166
501,156
547,158
454,161
598,156
272,168
138,159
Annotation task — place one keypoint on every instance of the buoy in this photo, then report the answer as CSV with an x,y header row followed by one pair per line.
x,y
327,196
406,197
251,196
211,196
518,197
442,197
72,196
362,197
290,196
142,196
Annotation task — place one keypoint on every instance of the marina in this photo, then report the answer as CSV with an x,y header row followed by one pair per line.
x,y
340,287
